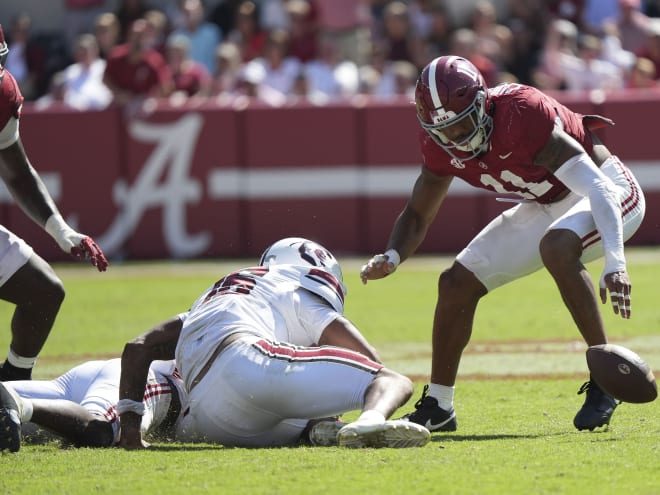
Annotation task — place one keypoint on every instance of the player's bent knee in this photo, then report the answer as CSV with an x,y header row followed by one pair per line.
x,y
403,384
458,281
559,247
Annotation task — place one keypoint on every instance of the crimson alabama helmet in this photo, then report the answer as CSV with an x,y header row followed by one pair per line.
x,y
299,251
4,50
449,90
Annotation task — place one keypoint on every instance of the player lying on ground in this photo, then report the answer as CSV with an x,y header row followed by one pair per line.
x,y
80,406
265,350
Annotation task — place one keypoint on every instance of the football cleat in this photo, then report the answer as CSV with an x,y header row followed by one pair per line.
x,y
10,373
10,423
597,409
393,434
324,433
430,415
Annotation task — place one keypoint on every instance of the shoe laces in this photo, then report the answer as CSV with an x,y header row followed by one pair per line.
x,y
594,392
590,388
424,399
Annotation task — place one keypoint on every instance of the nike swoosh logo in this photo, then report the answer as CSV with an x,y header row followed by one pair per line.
x,y
434,426
504,157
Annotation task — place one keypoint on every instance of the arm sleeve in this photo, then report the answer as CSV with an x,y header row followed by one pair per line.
x,y
582,176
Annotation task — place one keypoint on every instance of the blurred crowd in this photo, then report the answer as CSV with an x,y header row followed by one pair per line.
x,y
325,49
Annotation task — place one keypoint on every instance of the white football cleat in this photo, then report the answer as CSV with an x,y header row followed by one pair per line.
x,y
394,433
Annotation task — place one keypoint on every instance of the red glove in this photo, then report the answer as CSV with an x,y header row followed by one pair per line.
x,y
89,249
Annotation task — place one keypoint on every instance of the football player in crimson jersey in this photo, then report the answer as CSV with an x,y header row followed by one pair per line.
x,y
26,280
575,202
265,350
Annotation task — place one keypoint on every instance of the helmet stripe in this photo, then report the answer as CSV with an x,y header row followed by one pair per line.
x,y
433,86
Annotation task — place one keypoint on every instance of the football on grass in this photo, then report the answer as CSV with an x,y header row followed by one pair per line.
x,y
621,373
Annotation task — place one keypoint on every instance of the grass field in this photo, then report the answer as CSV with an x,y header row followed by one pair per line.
x,y
515,399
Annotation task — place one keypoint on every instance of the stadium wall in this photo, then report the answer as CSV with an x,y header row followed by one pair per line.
x,y
217,178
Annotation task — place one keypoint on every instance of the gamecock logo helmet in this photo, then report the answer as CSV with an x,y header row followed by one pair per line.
x,y
299,251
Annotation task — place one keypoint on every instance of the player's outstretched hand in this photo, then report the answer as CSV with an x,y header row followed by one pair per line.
x,y
377,267
620,288
88,249
80,246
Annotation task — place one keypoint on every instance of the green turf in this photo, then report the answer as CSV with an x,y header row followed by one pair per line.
x,y
515,400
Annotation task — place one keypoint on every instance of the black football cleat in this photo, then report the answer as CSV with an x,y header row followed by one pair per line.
x,y
597,409
430,415
10,423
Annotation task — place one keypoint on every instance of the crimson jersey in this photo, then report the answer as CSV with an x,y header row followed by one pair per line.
x,y
139,77
11,98
523,118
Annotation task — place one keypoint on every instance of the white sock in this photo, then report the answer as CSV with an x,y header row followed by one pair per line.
x,y
26,410
371,416
444,395
20,361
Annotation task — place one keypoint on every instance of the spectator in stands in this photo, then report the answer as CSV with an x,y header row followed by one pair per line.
x,y
651,49
570,10
631,25
420,13
280,70
83,80
107,32
494,40
204,36
247,34
560,43
134,71
157,29
327,76
303,30
348,23
223,15
463,43
251,84
228,69
596,13
588,71
437,41
25,61
273,15
397,36
54,98
129,11
190,77
79,17
398,79
642,75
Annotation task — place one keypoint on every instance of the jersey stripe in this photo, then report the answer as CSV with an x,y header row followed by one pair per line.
x,y
292,353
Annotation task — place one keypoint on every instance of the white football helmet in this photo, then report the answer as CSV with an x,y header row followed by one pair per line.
x,y
299,251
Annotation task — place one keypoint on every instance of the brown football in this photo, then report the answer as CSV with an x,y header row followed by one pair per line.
x,y
621,373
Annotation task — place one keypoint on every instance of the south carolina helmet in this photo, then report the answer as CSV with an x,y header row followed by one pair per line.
x,y
300,251
448,90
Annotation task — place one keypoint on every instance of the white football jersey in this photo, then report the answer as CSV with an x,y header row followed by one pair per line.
x,y
288,303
